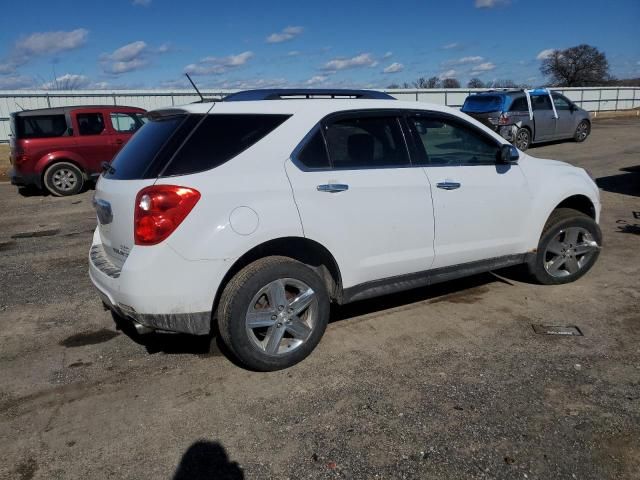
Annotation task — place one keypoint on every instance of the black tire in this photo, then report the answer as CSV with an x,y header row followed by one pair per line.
x,y
559,221
236,301
522,139
63,178
582,131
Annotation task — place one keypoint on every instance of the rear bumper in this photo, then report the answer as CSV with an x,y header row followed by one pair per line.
x,y
24,179
157,288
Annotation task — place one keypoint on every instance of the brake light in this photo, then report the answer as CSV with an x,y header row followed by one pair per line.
x,y
159,210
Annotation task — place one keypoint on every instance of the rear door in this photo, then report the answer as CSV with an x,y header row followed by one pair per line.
x,y
93,138
480,207
123,124
543,118
359,196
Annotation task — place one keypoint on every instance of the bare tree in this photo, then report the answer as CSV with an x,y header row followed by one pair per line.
x,y
578,66
393,85
503,83
475,83
450,83
433,82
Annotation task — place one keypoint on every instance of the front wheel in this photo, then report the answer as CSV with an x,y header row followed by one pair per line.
x,y
582,131
522,139
63,178
569,246
273,313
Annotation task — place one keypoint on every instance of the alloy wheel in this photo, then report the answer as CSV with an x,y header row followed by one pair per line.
x,y
64,179
569,251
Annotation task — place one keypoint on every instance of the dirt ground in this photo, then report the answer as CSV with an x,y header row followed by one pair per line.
x,y
449,382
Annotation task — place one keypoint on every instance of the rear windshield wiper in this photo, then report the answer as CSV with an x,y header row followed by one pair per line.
x,y
107,167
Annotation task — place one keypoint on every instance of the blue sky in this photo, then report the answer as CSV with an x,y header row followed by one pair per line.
x,y
151,43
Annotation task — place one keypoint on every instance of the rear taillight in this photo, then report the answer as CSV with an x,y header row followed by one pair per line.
x,y
503,119
159,210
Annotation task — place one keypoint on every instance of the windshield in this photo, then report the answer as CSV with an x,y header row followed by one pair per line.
x,y
483,103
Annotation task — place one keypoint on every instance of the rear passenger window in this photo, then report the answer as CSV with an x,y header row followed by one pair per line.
x,y
541,102
314,153
90,123
218,139
519,105
367,142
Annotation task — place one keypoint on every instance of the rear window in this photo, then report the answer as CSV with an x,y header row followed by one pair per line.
x,y
40,126
184,144
483,103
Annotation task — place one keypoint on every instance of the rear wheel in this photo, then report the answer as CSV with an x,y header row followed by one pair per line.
x,y
522,139
569,246
273,313
582,131
63,178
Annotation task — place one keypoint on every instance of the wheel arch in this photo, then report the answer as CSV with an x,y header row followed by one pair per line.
x,y
304,250
579,202
49,160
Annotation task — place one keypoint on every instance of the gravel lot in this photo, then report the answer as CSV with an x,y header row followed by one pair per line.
x,y
448,382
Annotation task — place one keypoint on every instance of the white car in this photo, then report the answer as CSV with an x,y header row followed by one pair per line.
x,y
251,215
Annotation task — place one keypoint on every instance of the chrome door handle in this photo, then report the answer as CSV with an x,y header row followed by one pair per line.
x,y
447,185
332,187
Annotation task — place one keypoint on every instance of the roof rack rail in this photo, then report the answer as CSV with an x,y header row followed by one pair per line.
x,y
305,93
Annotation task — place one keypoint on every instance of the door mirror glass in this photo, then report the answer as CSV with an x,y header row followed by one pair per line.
x,y
508,154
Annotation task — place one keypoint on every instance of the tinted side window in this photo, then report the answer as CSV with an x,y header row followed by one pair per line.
x,y
367,142
541,102
148,150
125,122
561,103
90,123
519,105
450,142
40,126
314,153
218,139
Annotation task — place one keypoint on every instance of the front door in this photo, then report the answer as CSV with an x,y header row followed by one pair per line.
x,y
566,123
359,196
481,207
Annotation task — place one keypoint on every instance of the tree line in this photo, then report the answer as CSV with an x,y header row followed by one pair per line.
x,y
580,66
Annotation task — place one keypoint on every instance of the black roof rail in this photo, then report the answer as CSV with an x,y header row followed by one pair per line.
x,y
297,93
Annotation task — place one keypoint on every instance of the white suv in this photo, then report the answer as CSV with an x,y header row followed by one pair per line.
x,y
251,215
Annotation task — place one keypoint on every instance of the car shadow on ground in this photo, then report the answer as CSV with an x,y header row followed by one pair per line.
x,y
465,290
627,183
205,460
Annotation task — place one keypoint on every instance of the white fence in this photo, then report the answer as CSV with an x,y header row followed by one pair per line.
x,y
595,99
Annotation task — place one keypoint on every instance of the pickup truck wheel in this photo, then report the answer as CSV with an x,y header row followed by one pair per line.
x,y
582,131
522,139
569,246
63,178
273,313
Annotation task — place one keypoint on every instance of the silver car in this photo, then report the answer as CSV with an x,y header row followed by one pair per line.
x,y
525,117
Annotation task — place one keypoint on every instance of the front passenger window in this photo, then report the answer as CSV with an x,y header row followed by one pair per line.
x,y
450,142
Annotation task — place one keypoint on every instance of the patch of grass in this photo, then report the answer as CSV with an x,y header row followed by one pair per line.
x,y
4,162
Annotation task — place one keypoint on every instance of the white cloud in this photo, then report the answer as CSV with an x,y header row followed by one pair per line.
x,y
129,57
218,65
141,3
68,81
491,3
286,34
450,46
483,67
448,74
387,55
465,60
45,43
362,60
11,82
395,67
251,83
316,79
293,53
546,53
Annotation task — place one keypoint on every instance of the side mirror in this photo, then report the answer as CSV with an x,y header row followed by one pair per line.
x,y
508,155
573,108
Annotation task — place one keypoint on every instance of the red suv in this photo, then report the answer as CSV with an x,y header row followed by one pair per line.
x,y
61,148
